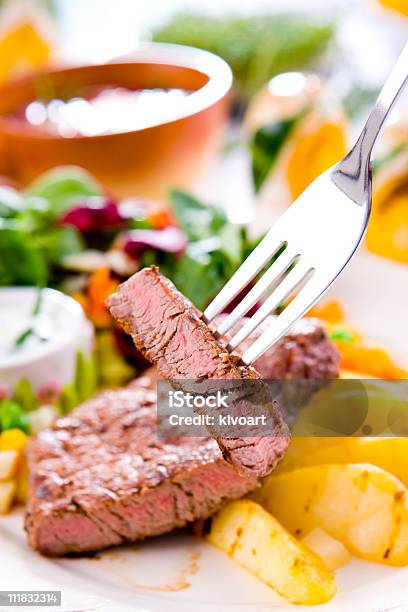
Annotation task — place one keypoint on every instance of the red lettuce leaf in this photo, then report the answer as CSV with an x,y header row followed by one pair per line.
x,y
168,240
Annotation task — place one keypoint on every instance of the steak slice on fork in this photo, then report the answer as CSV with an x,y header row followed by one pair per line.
x,y
169,332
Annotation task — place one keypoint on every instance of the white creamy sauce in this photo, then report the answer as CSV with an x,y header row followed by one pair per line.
x,y
46,327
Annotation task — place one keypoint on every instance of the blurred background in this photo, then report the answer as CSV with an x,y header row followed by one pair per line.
x,y
120,149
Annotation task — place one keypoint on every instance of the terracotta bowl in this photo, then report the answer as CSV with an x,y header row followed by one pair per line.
x,y
144,162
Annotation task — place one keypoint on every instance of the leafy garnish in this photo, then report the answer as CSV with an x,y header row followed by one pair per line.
x,y
266,145
85,376
38,303
62,187
31,241
343,335
20,340
200,274
215,251
20,262
68,400
194,244
12,416
255,47
23,337
24,395
390,156
196,219
11,202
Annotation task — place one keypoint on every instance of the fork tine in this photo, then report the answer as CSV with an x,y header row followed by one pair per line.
x,y
271,276
298,307
285,288
253,264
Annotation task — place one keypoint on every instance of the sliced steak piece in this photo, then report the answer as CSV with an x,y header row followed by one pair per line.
x,y
101,477
168,331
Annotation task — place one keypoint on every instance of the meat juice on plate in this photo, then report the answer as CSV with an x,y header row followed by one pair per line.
x,y
105,110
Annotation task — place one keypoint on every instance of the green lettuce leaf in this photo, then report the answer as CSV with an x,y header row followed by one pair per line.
x,y
20,262
196,219
266,145
64,186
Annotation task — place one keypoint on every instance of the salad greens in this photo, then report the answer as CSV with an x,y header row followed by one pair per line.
x,y
62,187
23,400
215,250
266,145
32,241
24,396
65,212
255,47
12,416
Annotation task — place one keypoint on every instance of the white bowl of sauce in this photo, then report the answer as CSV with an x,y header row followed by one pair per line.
x,y
40,335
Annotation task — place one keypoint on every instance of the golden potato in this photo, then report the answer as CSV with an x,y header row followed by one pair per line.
x,y
13,439
7,492
303,450
390,454
258,542
22,482
9,461
361,505
332,551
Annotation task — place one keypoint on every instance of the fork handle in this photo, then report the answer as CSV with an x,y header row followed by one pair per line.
x,y
353,174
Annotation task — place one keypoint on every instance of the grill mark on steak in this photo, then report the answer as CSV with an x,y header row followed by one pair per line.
x,y
106,530
168,331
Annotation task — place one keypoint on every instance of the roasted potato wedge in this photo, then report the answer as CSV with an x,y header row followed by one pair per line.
x,y
22,482
361,505
390,454
332,551
9,462
303,449
7,493
258,542
13,439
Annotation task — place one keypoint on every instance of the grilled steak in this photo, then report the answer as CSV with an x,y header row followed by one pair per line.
x,y
305,352
168,331
101,476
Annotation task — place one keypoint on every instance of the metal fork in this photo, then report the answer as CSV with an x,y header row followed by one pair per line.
x,y
312,242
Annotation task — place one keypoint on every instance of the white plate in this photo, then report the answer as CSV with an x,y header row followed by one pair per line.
x,y
180,572
374,292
